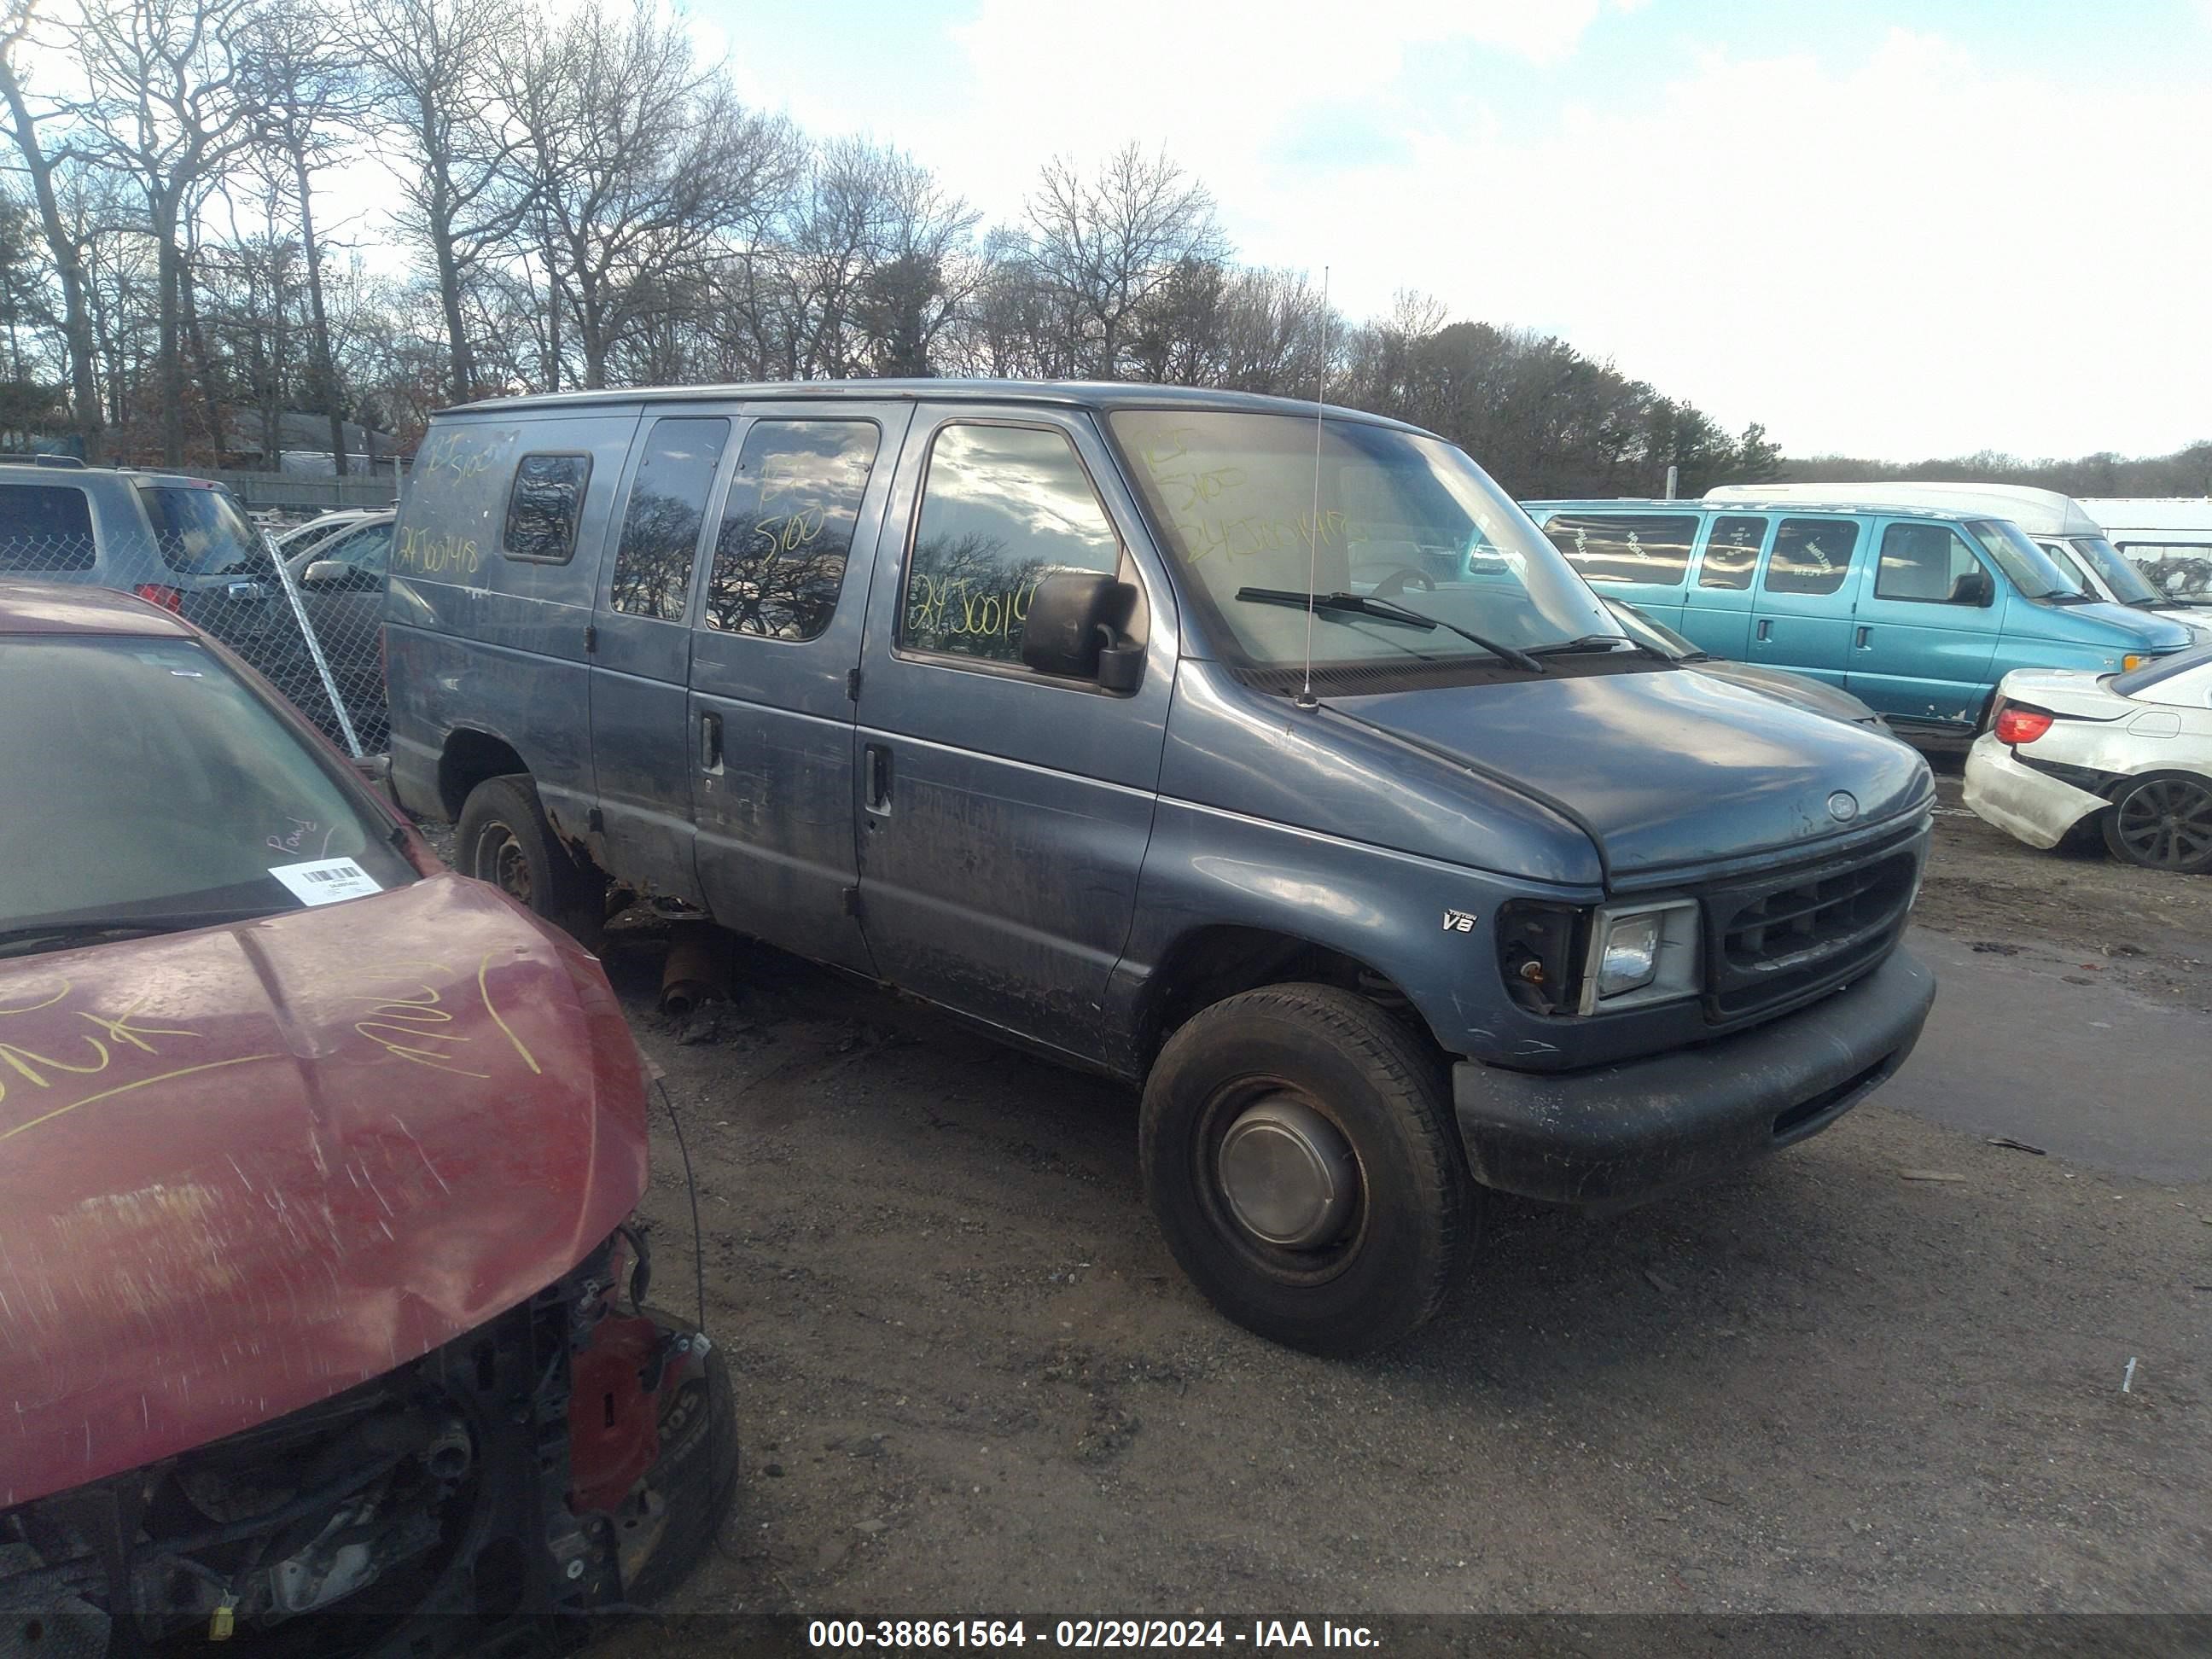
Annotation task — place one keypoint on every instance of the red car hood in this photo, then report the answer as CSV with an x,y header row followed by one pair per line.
x,y
244,1169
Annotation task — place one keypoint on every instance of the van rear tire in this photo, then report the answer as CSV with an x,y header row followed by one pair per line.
x,y
505,838
1260,1115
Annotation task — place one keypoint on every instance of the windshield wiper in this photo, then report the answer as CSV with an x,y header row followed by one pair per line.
x,y
38,936
2071,599
1363,604
1600,642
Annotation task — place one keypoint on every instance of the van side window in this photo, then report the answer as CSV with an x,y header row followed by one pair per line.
x,y
1002,507
1731,551
787,529
45,527
667,506
1811,556
543,506
1921,562
1648,548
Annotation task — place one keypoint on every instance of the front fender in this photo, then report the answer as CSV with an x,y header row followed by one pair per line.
x,y
1424,925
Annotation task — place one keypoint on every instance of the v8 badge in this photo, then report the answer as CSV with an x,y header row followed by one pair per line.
x,y
1459,921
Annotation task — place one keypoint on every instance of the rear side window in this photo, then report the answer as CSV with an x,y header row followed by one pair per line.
x,y
787,528
1921,562
1732,551
200,532
1002,507
543,507
1811,556
667,506
1651,547
45,527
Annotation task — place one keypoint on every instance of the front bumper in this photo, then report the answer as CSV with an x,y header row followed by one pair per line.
x,y
2032,806
1616,1135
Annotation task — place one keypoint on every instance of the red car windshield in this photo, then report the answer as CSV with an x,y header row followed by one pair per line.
x,y
148,787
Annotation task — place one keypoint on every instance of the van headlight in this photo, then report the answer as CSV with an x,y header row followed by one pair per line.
x,y
1639,954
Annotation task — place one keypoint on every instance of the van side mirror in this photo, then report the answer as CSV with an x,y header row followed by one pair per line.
x,y
325,572
1972,587
1073,629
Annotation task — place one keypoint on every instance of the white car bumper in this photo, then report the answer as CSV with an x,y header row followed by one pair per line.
x,y
2019,800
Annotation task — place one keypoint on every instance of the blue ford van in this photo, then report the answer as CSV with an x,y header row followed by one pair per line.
x,y
1918,613
1268,758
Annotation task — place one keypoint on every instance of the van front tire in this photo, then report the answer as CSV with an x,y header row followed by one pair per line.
x,y
1299,1152
504,838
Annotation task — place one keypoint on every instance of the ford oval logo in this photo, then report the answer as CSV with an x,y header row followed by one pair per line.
x,y
1842,806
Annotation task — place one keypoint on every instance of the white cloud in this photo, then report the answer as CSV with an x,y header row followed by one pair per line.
x,y
1896,254
1902,257
1215,82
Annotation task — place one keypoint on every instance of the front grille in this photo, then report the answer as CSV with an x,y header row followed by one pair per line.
x,y
1786,939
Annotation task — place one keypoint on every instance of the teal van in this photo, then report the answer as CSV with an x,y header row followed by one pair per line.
x,y
1918,613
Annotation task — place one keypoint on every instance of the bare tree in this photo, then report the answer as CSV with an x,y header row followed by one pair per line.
x,y
1102,244
16,19
435,65
641,162
164,109
311,96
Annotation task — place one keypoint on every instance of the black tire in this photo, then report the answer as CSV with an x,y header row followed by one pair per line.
x,y
1406,1245
2162,821
503,838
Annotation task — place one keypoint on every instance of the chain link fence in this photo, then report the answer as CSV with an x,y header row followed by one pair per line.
x,y
308,613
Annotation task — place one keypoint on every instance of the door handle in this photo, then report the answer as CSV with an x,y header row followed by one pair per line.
x,y
1765,629
710,743
876,779
1864,640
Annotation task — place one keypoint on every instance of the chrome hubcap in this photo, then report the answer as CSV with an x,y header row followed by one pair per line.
x,y
1288,1173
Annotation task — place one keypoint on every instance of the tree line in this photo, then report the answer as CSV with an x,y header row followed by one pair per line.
x,y
205,198
2105,475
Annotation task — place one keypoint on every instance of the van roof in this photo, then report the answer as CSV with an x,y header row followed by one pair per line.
x,y
1754,503
2153,512
1104,396
2044,511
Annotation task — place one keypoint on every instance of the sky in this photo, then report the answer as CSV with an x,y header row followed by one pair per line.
x,y
1893,231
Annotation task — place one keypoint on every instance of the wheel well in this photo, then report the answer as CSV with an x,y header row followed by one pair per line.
x,y
1210,963
470,758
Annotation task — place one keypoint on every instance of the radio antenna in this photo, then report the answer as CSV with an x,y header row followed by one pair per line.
x,y
1305,697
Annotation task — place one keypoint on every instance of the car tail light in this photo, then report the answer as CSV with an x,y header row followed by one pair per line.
x,y
2016,723
168,599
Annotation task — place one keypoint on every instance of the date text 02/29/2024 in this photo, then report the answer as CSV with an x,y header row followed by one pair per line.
x,y
1262,1635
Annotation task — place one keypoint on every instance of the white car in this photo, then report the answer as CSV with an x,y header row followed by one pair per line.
x,y
2133,750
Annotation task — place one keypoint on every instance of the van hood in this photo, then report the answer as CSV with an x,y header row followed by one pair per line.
x,y
2149,629
247,1168
1662,768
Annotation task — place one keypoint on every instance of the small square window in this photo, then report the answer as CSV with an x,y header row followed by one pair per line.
x,y
543,506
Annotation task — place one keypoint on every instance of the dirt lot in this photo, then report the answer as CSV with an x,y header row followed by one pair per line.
x,y
2154,932
972,1383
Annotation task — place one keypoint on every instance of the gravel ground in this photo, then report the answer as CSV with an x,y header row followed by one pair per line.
x,y
972,1382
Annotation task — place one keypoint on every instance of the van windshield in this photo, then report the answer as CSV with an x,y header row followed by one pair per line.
x,y
1405,523
2126,582
2031,570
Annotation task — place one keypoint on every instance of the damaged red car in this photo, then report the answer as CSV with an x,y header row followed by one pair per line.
x,y
321,1315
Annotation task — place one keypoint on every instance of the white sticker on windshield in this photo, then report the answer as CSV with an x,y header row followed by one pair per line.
x,y
325,881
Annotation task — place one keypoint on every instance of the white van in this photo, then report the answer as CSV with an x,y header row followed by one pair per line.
x,y
2168,538
2068,529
